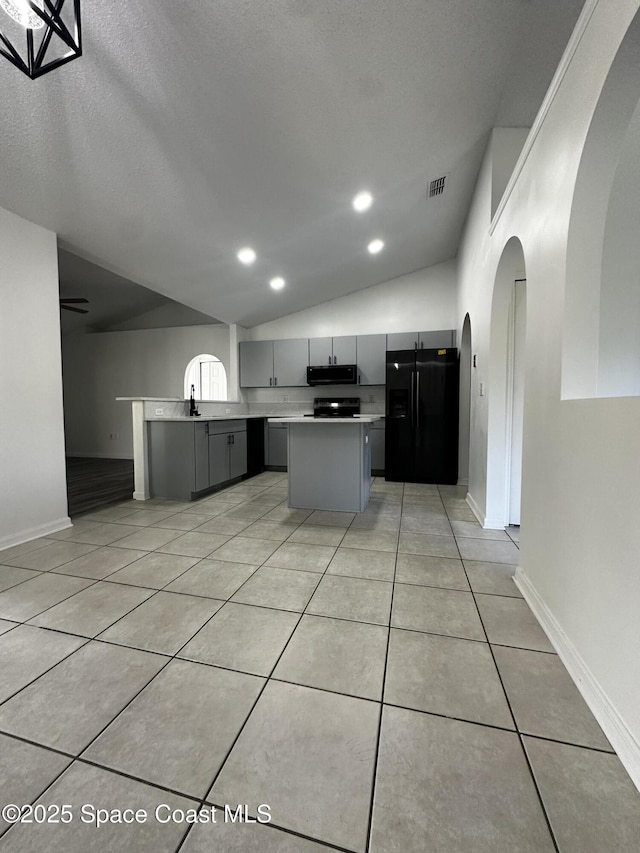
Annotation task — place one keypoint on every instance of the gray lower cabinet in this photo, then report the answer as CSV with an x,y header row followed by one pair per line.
x,y
238,454
276,455
187,458
371,359
227,451
376,439
218,459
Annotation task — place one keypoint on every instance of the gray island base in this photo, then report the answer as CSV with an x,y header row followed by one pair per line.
x,y
329,462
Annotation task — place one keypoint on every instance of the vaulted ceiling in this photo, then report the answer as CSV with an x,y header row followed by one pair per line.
x,y
190,129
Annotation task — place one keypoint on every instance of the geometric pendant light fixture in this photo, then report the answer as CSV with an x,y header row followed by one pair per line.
x,y
39,35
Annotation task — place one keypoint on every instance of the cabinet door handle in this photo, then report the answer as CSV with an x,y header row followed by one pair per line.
x,y
228,439
329,359
335,359
271,380
233,439
275,381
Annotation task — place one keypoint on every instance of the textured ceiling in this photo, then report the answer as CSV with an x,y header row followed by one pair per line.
x,y
189,129
114,302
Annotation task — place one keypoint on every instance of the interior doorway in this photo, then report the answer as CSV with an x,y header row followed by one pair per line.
x,y
517,340
465,403
505,432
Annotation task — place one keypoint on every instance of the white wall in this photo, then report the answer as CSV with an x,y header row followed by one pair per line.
x,y
33,497
99,367
420,301
581,466
619,344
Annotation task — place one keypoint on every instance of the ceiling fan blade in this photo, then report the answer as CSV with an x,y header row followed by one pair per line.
x,y
86,301
70,308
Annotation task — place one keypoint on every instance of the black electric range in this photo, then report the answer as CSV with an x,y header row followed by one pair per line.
x,y
335,407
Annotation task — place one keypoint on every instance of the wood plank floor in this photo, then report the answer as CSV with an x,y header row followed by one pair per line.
x,y
94,483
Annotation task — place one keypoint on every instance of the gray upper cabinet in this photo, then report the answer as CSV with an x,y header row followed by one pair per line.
x,y
443,338
290,362
256,364
340,350
422,340
264,364
371,356
402,340
344,349
320,351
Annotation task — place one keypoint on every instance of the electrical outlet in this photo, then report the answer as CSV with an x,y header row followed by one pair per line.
x,y
286,398
227,411
159,411
482,389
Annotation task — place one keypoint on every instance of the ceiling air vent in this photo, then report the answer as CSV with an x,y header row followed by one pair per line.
x,y
436,187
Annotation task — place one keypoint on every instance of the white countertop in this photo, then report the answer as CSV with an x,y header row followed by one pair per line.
x,y
206,418
356,419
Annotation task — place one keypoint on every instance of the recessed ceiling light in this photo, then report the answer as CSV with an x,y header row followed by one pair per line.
x,y
362,202
375,246
277,283
246,256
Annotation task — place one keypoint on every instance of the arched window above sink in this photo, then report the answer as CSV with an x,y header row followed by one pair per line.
x,y
208,376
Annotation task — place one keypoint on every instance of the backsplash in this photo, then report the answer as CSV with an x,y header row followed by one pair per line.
x,y
372,398
270,401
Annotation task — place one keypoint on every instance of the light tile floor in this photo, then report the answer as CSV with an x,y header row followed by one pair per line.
x,y
377,680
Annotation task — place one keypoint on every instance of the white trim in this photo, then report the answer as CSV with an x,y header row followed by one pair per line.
x,y
572,45
140,496
509,395
485,523
614,727
35,532
140,456
463,481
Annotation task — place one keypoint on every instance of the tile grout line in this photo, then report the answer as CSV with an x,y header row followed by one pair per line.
x,y
517,731
369,832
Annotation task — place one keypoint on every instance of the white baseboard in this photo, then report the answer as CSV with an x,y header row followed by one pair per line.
x,y
463,481
35,532
140,496
614,727
91,454
485,523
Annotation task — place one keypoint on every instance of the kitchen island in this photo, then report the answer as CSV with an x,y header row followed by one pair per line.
x,y
329,462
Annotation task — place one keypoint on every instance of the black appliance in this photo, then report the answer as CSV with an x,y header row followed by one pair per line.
x,y
332,374
335,407
421,435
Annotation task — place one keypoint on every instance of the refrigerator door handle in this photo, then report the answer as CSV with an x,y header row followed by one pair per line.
x,y
417,403
412,411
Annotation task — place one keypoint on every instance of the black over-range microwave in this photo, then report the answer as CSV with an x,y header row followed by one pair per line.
x,y
332,374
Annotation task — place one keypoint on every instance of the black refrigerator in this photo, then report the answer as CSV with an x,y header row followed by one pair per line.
x,y
421,427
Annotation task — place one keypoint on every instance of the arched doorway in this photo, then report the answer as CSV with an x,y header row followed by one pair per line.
x,y
507,389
